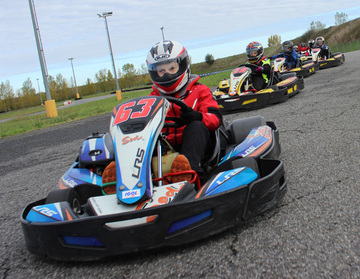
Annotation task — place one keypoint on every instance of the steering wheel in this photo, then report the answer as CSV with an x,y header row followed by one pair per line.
x,y
183,107
249,65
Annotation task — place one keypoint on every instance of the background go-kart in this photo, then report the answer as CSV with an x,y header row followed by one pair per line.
x,y
313,233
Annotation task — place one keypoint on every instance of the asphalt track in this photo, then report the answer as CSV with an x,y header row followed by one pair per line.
x,y
313,233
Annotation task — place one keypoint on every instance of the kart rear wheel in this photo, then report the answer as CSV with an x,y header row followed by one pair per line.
x,y
69,195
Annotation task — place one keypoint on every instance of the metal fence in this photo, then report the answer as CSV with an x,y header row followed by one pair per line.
x,y
351,46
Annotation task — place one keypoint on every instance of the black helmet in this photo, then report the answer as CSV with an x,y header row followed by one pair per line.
x,y
287,47
254,52
311,43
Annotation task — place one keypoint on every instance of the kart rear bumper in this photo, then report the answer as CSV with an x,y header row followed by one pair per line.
x,y
336,60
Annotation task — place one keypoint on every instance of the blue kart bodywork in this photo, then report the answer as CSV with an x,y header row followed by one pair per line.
x,y
81,222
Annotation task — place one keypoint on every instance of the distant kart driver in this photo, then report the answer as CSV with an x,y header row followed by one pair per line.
x,y
260,75
303,49
311,45
289,53
324,50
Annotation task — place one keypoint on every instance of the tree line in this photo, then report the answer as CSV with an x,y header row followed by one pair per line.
x,y
61,89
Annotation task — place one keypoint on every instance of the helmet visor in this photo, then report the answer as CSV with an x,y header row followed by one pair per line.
x,y
168,71
252,53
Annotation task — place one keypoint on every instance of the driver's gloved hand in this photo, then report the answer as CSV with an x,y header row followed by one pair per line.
x,y
259,69
187,117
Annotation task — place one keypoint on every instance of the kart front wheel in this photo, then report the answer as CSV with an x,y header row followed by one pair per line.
x,y
68,195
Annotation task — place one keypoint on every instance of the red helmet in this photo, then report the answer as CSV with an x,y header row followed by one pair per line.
x,y
167,52
254,52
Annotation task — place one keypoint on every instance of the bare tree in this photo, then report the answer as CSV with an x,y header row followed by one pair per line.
x,y
27,94
274,40
143,70
340,18
101,79
89,88
129,70
7,95
316,26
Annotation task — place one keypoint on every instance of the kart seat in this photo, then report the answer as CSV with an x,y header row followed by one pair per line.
x,y
212,153
239,129
214,146
280,77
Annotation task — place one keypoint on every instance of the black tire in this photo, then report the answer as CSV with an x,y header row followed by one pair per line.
x,y
68,195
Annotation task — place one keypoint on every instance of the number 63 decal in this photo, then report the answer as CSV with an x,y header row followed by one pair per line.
x,y
125,111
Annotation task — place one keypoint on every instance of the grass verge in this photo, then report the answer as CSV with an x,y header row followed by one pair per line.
x,y
23,122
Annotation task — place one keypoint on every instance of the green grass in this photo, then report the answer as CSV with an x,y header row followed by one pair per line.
x,y
21,112
39,108
24,122
213,80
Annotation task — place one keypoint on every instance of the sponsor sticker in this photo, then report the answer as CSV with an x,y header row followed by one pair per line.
x,y
70,182
227,175
131,194
249,150
45,211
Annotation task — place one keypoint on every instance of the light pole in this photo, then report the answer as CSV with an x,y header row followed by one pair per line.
x,y
77,91
162,31
50,105
105,15
39,91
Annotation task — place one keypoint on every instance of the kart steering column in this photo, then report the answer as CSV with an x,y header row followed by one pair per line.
x,y
159,162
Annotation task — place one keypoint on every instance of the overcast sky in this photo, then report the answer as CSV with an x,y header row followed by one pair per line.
x,y
71,28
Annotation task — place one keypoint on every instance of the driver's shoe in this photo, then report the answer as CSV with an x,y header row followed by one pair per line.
x,y
109,174
180,163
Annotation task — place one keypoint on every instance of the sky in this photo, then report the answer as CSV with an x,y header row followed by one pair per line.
x,y
73,29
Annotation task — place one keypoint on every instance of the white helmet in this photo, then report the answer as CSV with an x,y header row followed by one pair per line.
x,y
163,53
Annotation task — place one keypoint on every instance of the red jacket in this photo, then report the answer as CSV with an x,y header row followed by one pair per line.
x,y
303,50
199,98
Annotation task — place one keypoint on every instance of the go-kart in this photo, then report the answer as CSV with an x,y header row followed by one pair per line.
x,y
238,94
303,69
335,59
143,209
